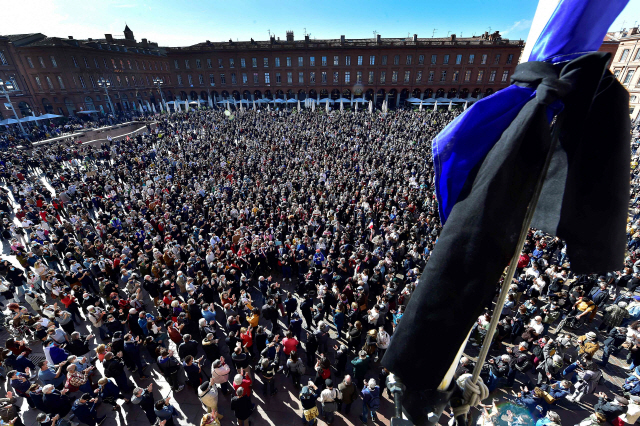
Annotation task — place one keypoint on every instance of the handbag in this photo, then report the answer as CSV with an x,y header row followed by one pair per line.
x,y
547,397
311,414
330,407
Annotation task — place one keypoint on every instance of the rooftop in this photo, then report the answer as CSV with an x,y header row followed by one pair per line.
x,y
342,42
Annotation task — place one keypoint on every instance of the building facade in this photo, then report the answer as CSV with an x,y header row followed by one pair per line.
x,y
61,75
376,69
21,97
625,66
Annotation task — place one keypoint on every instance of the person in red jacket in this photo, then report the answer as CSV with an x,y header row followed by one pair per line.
x,y
71,305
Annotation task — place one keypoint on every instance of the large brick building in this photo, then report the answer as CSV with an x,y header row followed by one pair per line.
x,y
625,65
60,75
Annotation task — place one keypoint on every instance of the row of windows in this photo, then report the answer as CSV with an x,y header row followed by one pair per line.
x,y
627,78
324,61
3,59
113,63
625,54
80,82
335,77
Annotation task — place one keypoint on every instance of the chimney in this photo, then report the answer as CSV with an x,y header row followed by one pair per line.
x,y
341,39
415,38
634,31
272,39
453,37
378,38
306,38
90,39
70,37
108,37
289,35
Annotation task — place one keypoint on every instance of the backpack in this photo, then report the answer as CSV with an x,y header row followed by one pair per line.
x,y
374,402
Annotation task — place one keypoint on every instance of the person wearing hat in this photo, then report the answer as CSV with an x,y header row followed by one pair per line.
x,y
633,410
360,366
329,398
611,409
549,368
308,396
588,344
208,394
613,317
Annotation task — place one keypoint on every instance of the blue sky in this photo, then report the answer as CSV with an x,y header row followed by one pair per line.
x,y
186,22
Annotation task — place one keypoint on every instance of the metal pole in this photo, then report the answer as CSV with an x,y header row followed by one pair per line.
x,y
106,91
6,94
162,96
513,264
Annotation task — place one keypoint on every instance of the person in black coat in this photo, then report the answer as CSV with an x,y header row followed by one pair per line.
x,y
132,356
270,313
242,406
55,401
311,348
78,345
611,409
187,347
210,347
306,308
114,367
84,408
37,397
144,398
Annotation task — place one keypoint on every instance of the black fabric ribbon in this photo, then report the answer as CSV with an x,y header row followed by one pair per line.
x,y
481,233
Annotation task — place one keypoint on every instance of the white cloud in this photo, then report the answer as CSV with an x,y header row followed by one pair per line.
x,y
518,27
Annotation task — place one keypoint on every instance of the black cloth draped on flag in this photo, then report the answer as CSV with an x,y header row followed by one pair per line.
x,y
584,200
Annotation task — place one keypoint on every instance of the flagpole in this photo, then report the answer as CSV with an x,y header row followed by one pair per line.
x,y
513,264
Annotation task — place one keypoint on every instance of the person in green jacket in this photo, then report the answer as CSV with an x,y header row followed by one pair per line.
x,y
360,366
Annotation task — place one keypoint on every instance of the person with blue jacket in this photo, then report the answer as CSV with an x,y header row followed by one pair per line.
x,y
85,410
109,392
370,400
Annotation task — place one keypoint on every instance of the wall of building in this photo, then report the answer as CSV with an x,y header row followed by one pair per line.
x,y
299,70
9,71
60,75
625,65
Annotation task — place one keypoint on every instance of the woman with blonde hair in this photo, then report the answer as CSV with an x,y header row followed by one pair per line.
x,y
210,419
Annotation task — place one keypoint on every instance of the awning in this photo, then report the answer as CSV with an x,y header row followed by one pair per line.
x,y
49,116
28,118
91,111
344,100
9,121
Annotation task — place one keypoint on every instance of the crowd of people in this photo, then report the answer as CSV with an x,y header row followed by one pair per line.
x,y
238,253
11,135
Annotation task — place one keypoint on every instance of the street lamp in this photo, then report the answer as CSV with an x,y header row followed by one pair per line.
x,y
159,82
105,84
7,86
